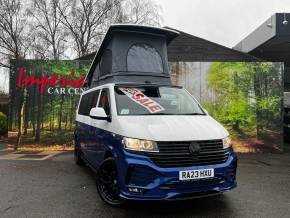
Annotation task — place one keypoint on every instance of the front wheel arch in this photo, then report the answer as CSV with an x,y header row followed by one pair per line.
x,y
114,199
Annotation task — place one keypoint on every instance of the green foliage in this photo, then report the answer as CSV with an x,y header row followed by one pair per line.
x,y
3,123
246,95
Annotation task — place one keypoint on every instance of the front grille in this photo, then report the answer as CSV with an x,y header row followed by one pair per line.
x,y
177,154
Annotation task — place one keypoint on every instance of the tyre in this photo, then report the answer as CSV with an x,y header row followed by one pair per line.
x,y
108,184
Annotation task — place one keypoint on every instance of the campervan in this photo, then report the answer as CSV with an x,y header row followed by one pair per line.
x,y
145,138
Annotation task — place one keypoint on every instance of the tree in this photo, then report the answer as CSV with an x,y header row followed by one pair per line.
x,y
42,29
49,30
232,85
15,40
3,124
20,118
38,116
15,37
88,20
85,20
51,39
145,12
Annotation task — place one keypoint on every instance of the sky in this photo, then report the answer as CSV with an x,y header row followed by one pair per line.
x,y
225,22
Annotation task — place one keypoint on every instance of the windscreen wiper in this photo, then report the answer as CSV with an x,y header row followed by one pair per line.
x,y
193,114
160,114
172,114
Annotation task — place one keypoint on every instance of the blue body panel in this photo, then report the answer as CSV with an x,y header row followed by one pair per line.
x,y
138,171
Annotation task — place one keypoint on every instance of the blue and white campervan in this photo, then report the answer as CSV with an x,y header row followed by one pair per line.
x,y
145,138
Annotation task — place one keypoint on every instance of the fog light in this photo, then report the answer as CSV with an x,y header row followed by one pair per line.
x,y
136,190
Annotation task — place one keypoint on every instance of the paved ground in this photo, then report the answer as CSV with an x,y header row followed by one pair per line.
x,y
55,187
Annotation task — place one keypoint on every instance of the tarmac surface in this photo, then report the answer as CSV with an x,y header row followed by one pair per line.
x,y
56,187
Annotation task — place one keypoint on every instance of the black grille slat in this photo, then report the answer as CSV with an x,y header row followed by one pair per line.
x,y
186,148
211,146
186,164
185,151
170,149
213,155
212,152
177,154
211,143
166,156
172,153
190,160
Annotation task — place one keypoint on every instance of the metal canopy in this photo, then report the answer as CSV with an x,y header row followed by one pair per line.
x,y
270,41
273,34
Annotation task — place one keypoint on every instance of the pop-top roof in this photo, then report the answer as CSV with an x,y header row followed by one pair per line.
x,y
118,39
169,34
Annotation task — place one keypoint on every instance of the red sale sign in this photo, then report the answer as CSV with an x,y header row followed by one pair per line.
x,y
141,99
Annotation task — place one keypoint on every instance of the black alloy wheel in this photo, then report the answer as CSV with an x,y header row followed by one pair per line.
x,y
108,185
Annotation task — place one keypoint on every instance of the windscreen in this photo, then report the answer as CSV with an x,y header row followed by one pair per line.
x,y
155,100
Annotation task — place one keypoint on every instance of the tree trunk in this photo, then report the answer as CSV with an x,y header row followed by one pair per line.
x,y
72,112
39,112
12,84
26,113
236,126
60,112
52,117
266,96
20,120
50,114
42,115
33,112
257,89
11,109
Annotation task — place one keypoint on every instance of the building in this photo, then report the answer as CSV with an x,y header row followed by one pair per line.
x,y
271,42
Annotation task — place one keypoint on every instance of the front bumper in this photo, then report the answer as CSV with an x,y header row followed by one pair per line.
x,y
143,180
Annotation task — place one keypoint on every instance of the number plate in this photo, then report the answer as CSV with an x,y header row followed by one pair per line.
x,y
196,174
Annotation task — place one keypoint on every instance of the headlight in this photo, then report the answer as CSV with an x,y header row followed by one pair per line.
x,y
140,145
227,142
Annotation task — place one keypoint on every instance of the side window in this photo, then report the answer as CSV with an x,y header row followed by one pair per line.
x,y
83,104
96,73
144,58
106,63
105,101
94,96
88,101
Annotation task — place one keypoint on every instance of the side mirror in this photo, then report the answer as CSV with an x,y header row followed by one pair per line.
x,y
99,113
